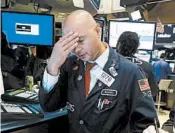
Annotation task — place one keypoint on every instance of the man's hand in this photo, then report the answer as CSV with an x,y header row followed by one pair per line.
x,y
60,52
151,129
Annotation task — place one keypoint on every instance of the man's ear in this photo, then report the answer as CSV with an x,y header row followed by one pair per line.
x,y
97,28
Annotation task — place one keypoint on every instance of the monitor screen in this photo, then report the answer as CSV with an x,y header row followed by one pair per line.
x,y
101,23
146,32
168,36
172,66
28,28
144,55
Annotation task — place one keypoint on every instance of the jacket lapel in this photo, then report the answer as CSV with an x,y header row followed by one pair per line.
x,y
112,62
79,82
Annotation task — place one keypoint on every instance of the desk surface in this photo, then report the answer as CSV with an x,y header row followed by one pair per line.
x,y
16,125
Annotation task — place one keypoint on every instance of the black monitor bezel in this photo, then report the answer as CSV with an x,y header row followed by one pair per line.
x,y
157,32
133,22
32,44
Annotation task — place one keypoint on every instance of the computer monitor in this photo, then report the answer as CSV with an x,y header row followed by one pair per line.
x,y
145,30
28,28
168,36
172,66
101,23
144,55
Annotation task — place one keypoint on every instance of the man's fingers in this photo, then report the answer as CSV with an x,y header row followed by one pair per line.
x,y
71,48
66,39
67,46
66,35
69,39
59,42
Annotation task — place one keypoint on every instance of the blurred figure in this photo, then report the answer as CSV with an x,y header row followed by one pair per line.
x,y
5,48
9,65
161,68
168,126
170,123
37,62
127,46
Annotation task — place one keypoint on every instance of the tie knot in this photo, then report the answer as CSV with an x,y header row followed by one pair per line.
x,y
89,66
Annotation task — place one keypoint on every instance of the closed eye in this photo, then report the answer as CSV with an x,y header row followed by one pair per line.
x,y
80,41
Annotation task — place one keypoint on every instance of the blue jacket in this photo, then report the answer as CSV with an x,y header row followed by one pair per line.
x,y
124,106
161,70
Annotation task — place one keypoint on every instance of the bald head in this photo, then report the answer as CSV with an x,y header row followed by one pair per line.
x,y
78,19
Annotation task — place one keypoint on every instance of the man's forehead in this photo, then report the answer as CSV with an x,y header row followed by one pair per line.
x,y
80,31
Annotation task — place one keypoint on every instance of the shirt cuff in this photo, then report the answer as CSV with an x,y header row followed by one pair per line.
x,y
49,81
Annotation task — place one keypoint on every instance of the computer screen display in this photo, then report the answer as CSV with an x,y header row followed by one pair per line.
x,y
28,28
144,55
168,36
172,66
146,32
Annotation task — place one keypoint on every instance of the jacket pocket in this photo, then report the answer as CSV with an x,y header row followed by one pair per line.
x,y
101,110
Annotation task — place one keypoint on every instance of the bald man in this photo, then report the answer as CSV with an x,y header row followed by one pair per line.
x,y
103,91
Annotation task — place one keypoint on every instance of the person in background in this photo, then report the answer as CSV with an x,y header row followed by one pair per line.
x,y
127,46
36,64
5,48
10,71
161,68
170,123
168,126
102,89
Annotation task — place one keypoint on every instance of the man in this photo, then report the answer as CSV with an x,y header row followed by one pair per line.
x,y
11,71
127,46
114,102
161,68
168,126
170,123
36,64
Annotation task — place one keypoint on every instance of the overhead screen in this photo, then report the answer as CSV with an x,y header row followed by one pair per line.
x,y
168,36
146,32
28,28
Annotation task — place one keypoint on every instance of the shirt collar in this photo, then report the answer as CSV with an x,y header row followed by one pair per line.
x,y
103,58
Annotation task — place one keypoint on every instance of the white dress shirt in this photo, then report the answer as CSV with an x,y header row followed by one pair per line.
x,y
49,81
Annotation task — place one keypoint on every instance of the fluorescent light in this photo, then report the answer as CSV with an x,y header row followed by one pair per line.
x,y
78,3
136,15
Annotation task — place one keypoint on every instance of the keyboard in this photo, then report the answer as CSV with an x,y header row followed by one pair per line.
x,y
18,99
15,112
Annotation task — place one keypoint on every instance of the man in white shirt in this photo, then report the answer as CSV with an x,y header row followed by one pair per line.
x,y
113,96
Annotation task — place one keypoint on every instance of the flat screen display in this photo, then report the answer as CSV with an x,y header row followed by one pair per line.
x,y
146,32
28,28
168,36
